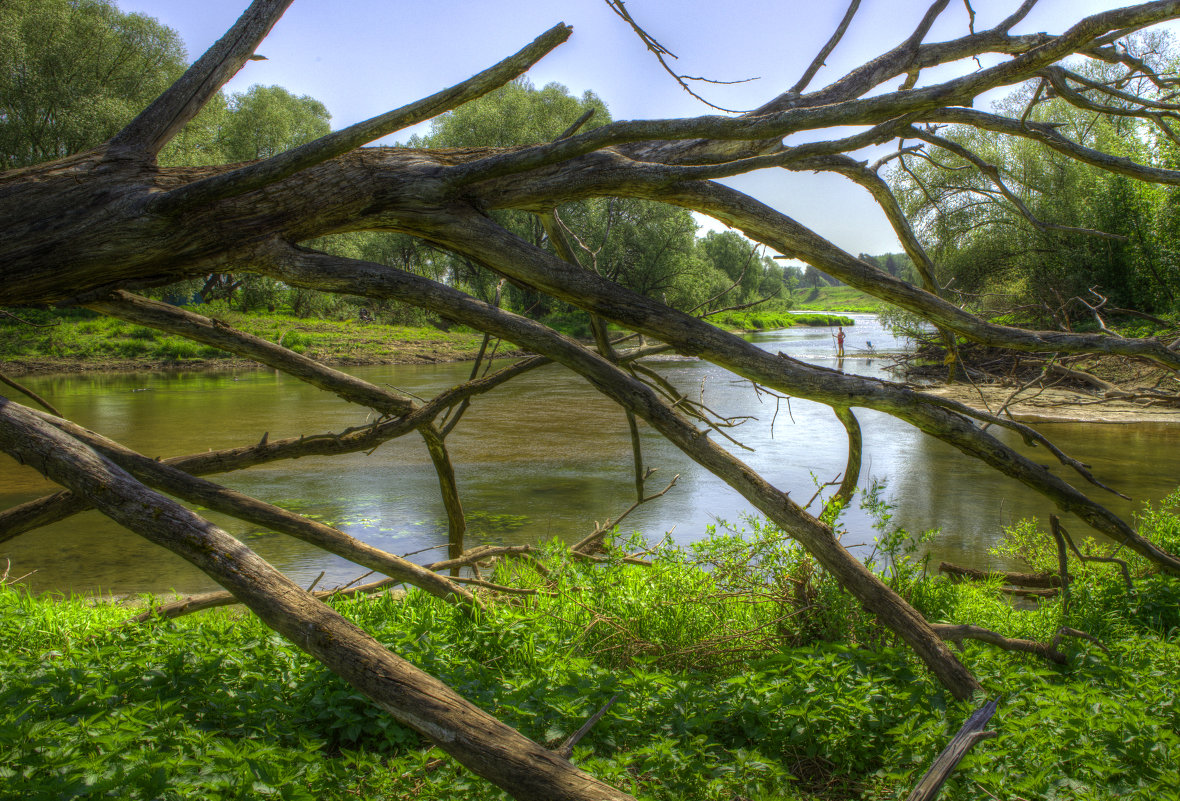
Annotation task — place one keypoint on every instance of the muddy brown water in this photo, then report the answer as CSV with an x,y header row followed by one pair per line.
x,y
544,456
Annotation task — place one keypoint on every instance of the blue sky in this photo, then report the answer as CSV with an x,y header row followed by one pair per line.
x,y
363,57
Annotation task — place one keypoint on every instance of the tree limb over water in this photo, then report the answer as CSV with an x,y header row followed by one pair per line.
x,y
90,227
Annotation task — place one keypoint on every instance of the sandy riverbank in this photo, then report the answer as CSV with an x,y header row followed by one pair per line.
x,y
1055,405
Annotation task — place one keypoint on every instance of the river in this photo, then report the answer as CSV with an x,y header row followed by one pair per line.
x,y
543,456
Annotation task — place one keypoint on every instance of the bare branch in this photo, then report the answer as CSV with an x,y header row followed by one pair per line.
x,y
30,394
272,170
659,51
993,173
448,487
51,508
826,50
165,317
1047,134
855,451
147,134
221,499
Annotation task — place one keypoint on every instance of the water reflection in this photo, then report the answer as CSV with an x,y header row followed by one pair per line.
x,y
544,456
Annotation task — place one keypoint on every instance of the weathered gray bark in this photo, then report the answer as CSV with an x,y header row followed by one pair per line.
x,y
83,229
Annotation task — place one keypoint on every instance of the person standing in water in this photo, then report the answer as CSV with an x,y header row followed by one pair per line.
x,y
840,343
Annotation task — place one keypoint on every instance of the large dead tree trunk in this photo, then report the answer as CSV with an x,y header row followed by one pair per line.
x,y
85,229
475,738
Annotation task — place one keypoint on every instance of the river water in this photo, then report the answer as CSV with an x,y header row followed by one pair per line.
x,y
543,456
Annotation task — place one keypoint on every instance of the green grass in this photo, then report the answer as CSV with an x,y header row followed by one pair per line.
x,y
81,336
834,298
766,321
742,670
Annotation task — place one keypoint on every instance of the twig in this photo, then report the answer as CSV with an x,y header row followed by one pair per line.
x,y
660,51
592,540
567,748
28,392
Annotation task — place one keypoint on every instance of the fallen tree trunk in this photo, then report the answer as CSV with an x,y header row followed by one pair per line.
x,y
476,739
78,229
1041,580
300,268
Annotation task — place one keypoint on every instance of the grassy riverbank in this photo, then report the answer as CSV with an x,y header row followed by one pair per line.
x,y
770,320
755,678
80,340
835,299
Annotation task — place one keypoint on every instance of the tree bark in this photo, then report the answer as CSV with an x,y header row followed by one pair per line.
x,y
85,228
476,739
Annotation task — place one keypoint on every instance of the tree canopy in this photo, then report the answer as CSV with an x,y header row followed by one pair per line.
x,y
73,72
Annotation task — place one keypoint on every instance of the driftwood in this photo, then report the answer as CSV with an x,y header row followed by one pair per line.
x,y
971,732
1042,580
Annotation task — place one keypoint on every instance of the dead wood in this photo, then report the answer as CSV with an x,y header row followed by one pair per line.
x,y
480,742
212,600
1042,580
87,227
199,602
566,751
1061,536
971,732
174,320
855,450
221,499
58,506
30,394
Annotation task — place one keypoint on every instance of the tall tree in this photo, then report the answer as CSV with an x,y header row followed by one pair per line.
x,y
264,121
1009,218
645,246
739,258
73,72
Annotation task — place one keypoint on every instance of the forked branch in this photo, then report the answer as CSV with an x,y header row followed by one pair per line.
x,y
147,134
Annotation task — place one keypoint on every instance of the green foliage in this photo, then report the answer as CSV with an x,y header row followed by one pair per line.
x,y
755,320
835,299
78,335
74,72
742,671
264,121
1003,262
648,247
